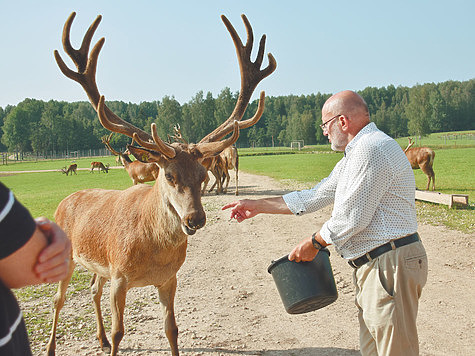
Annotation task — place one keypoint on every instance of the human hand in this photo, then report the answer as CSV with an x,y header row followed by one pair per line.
x,y
304,251
242,209
53,260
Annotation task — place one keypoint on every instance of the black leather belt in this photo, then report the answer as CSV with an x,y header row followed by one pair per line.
x,y
378,251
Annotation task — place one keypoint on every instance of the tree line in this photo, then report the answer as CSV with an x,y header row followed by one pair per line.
x,y
39,126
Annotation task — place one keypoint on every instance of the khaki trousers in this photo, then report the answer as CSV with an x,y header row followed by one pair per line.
x,y
387,296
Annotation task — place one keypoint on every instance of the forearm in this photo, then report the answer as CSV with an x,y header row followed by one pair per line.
x,y
274,205
17,270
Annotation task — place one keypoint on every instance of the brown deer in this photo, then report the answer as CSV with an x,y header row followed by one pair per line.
x,y
212,164
71,169
423,158
215,166
138,236
228,159
100,167
139,172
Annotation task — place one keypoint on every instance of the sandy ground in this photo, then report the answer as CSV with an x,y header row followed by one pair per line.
x,y
227,302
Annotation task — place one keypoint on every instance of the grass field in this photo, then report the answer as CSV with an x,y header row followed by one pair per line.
x,y
41,192
440,140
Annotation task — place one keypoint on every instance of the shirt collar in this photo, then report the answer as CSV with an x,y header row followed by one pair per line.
x,y
371,127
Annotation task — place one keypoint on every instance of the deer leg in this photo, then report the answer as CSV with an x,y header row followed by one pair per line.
x,y
429,172
97,284
236,169
227,177
237,191
166,295
431,175
205,184
217,183
117,297
214,185
59,300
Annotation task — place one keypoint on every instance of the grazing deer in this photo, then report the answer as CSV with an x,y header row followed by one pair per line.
x,y
423,158
138,236
100,166
139,172
71,169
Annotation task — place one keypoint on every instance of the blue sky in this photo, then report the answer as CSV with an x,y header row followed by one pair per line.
x,y
177,48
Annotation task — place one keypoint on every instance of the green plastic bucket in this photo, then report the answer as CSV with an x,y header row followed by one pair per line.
x,y
304,286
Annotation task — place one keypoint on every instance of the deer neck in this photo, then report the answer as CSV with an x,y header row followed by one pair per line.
x,y
125,160
160,219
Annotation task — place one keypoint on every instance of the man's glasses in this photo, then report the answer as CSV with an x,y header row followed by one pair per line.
x,y
324,125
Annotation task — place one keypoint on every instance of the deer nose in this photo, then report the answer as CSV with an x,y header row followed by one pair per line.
x,y
195,221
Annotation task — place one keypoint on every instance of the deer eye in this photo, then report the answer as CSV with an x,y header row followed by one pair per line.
x,y
170,178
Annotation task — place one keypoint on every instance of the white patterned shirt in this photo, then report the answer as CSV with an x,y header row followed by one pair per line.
x,y
372,189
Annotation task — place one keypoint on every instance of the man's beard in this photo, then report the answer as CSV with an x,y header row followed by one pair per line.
x,y
338,139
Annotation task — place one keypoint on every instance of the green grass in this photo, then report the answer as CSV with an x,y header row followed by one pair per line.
x,y
453,169
456,139
56,164
303,168
42,192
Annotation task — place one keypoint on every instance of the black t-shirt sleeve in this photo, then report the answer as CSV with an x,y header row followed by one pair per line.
x,y
16,223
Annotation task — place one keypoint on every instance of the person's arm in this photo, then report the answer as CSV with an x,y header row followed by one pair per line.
x,y
305,250
247,208
44,258
53,261
17,269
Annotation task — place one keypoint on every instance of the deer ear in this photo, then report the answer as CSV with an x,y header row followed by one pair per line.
x,y
196,152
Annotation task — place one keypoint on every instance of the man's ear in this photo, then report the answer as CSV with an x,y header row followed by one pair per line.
x,y
144,155
344,122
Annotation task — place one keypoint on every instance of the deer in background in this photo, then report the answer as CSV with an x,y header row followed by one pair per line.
x,y
423,158
227,160
214,164
71,169
138,236
100,167
139,172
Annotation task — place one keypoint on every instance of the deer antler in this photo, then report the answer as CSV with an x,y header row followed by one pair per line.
x,y
178,136
106,141
251,75
86,70
411,142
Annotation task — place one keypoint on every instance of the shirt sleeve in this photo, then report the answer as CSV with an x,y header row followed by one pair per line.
x,y
320,196
16,223
370,175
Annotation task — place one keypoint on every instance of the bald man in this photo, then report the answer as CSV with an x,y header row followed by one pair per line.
x,y
373,224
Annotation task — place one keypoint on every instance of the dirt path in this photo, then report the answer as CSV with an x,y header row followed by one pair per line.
x,y
227,303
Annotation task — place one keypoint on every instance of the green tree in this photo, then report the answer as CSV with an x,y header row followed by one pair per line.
x,y
19,123
202,116
168,115
419,111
